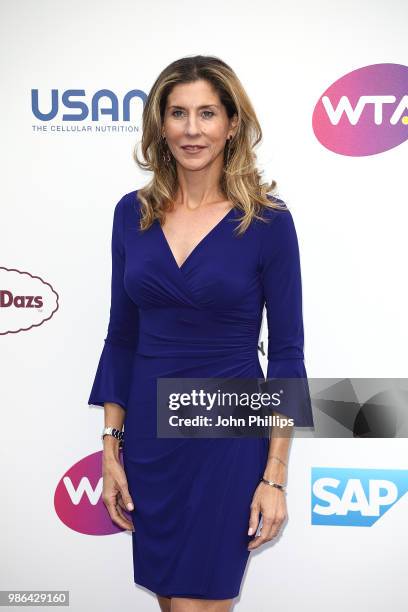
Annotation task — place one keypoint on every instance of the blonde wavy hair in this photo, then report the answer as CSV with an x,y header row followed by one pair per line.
x,y
240,180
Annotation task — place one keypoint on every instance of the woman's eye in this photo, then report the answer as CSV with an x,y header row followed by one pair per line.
x,y
207,114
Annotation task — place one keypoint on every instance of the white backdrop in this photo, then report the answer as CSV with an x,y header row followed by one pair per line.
x,y
351,218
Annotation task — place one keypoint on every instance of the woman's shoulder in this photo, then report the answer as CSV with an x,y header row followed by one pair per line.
x,y
276,200
279,207
128,208
130,200
278,227
270,215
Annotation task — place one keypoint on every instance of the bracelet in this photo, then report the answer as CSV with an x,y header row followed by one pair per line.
x,y
274,484
116,433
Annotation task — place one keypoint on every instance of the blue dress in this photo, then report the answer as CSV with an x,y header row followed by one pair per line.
x,y
192,496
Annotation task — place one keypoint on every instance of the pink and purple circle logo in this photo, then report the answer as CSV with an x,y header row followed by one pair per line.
x,y
78,498
365,112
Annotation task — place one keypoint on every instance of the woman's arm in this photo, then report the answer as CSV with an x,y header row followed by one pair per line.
x,y
281,281
113,377
282,286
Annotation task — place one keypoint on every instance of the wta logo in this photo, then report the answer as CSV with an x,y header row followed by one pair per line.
x,y
78,498
365,112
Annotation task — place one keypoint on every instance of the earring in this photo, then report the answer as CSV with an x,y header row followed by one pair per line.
x,y
166,154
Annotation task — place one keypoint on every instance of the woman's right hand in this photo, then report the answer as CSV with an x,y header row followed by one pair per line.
x,y
115,492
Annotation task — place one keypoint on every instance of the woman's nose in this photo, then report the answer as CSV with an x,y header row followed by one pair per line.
x,y
192,126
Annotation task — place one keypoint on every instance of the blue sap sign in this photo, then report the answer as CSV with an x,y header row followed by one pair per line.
x,y
354,497
68,102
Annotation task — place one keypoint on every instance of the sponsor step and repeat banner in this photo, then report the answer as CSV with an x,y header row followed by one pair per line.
x,y
329,84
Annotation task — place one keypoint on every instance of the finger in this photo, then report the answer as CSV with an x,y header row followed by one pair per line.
x,y
125,495
265,534
253,520
121,503
257,542
115,516
119,519
270,528
126,520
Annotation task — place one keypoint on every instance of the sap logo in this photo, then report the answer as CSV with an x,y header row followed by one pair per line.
x,y
354,497
365,112
26,301
68,101
78,498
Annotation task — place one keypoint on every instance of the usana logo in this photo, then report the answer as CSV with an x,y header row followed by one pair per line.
x,y
57,104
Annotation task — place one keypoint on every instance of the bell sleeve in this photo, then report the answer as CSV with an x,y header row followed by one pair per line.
x,y
113,375
282,287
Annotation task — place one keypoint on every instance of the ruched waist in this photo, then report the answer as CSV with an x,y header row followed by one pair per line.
x,y
188,332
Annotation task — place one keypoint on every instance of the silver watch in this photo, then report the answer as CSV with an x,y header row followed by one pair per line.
x,y
116,433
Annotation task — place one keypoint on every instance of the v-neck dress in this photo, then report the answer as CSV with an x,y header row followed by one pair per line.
x,y
202,319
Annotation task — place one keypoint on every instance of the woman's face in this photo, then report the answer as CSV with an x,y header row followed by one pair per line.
x,y
196,125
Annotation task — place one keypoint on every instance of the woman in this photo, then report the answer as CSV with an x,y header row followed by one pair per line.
x,y
195,256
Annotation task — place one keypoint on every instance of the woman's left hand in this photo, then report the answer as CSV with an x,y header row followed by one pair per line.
x,y
271,503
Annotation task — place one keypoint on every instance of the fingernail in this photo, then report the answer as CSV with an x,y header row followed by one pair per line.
x,y
250,531
129,506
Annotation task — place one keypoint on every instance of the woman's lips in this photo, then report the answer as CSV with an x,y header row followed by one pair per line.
x,y
192,148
